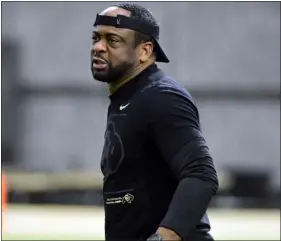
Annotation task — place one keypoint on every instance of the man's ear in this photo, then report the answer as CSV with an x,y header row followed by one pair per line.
x,y
146,51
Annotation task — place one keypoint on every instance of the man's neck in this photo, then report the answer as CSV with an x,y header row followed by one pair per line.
x,y
113,87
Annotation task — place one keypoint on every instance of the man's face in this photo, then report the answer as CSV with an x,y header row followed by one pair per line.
x,y
113,52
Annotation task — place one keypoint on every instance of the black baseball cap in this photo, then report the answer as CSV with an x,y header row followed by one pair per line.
x,y
121,21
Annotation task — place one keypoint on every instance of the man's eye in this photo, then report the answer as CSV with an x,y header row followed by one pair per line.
x,y
95,38
112,40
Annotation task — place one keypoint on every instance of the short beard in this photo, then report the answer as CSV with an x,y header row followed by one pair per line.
x,y
114,74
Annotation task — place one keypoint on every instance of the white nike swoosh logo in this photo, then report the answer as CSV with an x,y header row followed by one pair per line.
x,y
123,106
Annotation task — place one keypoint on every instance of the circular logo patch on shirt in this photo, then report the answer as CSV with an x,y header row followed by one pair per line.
x,y
113,150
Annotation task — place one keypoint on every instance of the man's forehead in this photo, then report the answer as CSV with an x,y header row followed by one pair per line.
x,y
114,11
103,29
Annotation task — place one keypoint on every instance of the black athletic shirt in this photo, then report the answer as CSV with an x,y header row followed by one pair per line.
x,y
156,164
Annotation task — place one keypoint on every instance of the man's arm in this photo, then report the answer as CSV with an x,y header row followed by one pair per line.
x,y
176,131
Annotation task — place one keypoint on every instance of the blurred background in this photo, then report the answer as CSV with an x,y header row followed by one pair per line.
x,y
227,54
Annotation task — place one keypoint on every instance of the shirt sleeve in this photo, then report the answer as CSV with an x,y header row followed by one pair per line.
x,y
177,134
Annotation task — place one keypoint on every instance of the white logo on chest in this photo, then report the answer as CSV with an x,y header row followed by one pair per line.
x,y
122,107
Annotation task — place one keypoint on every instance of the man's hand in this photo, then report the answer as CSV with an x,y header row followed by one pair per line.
x,y
168,234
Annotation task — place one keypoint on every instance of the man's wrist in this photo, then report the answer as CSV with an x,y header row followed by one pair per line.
x,y
155,237
168,234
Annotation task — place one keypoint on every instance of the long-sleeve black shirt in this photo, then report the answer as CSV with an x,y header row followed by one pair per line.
x,y
156,164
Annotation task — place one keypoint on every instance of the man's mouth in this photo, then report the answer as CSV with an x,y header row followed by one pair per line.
x,y
99,64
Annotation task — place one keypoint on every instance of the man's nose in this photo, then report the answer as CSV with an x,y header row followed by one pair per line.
x,y
99,46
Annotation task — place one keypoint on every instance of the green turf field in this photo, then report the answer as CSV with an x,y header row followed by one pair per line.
x,y
48,237
73,223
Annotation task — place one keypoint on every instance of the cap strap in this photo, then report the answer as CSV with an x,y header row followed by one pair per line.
x,y
121,21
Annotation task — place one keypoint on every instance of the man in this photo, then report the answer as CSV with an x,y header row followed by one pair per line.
x,y
158,174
